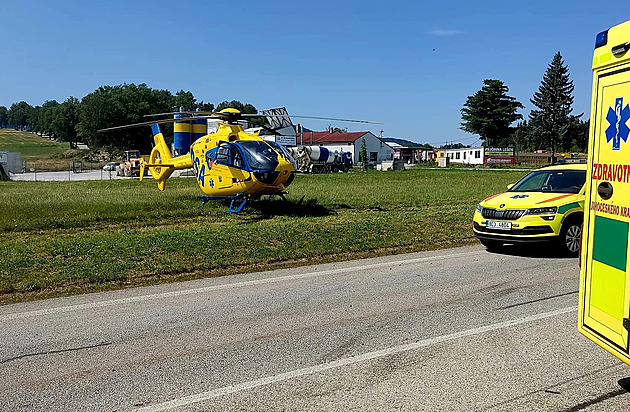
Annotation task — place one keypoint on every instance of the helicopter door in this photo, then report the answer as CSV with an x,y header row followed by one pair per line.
x,y
229,161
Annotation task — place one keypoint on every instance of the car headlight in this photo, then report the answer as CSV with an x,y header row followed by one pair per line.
x,y
542,210
479,208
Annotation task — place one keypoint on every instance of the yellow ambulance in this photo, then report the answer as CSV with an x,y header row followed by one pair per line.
x,y
544,206
604,300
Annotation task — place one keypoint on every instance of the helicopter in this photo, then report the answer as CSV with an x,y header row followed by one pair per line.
x,y
229,164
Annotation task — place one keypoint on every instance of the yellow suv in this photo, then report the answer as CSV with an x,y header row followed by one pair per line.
x,y
545,205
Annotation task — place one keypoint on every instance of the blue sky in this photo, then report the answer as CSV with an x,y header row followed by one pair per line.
x,y
408,64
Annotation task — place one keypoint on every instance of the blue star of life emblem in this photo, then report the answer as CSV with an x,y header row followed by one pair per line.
x,y
617,119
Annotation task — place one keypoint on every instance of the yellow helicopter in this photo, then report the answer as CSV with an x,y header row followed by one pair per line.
x,y
229,163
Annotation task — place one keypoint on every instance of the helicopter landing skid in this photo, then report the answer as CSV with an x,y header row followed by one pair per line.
x,y
231,209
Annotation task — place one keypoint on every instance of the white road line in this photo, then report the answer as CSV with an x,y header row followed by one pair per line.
x,y
215,393
113,302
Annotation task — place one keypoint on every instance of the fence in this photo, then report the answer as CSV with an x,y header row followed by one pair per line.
x,y
75,172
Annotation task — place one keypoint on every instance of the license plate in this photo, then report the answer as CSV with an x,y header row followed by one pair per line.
x,y
492,224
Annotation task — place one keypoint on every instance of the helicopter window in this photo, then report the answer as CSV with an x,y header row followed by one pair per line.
x,y
260,155
283,152
229,155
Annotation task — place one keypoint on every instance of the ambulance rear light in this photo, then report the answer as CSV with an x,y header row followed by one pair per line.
x,y
601,39
621,49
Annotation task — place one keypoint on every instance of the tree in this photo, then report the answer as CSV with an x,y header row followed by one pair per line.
x,y
205,107
363,156
18,114
184,100
119,105
578,136
453,146
245,109
45,117
337,129
490,112
552,123
4,116
65,120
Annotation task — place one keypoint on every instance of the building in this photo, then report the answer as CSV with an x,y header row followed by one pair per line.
x,y
466,155
411,154
377,150
11,162
539,158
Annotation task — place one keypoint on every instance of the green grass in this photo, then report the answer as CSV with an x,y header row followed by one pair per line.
x,y
72,237
32,147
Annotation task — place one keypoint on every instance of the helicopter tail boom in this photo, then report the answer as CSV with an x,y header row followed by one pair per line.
x,y
161,163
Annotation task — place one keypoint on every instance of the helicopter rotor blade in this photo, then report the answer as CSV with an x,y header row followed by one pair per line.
x,y
339,120
275,132
189,113
219,115
163,121
313,117
225,115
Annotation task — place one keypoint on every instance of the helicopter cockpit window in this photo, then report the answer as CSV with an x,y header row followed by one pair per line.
x,y
229,155
260,155
283,152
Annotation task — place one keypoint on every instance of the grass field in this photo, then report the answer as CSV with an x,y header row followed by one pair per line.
x,y
42,154
32,147
61,238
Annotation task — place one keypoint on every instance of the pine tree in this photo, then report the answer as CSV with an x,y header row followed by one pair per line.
x,y
552,123
490,112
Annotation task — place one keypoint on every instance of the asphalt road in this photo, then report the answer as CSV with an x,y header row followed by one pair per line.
x,y
460,329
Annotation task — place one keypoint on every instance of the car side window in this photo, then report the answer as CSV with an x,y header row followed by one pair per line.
x,y
568,182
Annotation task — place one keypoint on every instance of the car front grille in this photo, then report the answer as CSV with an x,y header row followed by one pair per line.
x,y
509,214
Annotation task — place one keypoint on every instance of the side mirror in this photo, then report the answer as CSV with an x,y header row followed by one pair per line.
x,y
510,186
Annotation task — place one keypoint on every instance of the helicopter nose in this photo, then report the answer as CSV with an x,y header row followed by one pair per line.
x,y
267,178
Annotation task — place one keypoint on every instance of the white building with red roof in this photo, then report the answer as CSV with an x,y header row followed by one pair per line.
x,y
377,150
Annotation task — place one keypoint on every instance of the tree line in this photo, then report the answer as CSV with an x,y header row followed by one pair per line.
x,y
490,113
77,120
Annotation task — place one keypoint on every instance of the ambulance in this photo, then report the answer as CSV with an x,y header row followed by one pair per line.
x,y
604,299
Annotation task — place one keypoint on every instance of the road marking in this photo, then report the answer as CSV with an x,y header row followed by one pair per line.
x,y
227,390
142,298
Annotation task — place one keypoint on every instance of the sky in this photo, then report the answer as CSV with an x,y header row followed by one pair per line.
x,y
408,64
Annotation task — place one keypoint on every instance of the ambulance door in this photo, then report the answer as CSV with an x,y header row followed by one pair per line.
x,y
605,292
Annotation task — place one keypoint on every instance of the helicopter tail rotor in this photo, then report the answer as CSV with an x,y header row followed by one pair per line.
x,y
160,162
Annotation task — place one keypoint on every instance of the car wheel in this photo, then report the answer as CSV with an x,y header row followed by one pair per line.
x,y
491,244
570,236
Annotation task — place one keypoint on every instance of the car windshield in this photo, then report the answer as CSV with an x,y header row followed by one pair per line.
x,y
559,181
260,155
